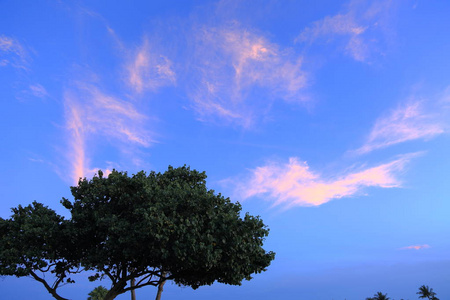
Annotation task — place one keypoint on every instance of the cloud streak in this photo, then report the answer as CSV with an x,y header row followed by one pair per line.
x,y
38,90
358,28
406,123
232,63
294,184
91,114
416,247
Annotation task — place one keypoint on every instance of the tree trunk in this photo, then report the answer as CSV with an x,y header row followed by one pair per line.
x,y
111,295
133,292
160,290
115,291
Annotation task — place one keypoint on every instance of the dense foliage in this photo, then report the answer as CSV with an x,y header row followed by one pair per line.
x,y
99,293
35,241
138,231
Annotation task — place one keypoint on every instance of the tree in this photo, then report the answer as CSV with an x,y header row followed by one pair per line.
x,y
98,293
379,296
36,241
427,292
146,229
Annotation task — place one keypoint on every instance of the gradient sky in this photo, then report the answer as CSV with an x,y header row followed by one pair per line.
x,y
329,119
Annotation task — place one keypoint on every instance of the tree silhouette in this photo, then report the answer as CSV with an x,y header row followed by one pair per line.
x,y
379,296
426,292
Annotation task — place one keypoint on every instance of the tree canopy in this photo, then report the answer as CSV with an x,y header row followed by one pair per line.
x,y
379,296
426,292
142,230
34,241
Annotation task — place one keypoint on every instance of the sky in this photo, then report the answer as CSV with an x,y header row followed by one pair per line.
x,y
329,119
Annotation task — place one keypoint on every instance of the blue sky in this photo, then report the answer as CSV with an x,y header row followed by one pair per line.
x,y
329,119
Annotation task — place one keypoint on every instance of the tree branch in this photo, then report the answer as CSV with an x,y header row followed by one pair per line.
x,y
110,276
49,289
47,269
153,283
145,277
57,282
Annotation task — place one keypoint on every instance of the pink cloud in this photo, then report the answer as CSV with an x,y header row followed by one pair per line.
x,y
75,126
406,123
355,28
416,247
148,70
12,53
145,67
294,184
90,115
231,63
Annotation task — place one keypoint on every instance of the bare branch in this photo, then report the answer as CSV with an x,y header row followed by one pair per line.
x,y
110,276
52,291
49,266
153,283
145,277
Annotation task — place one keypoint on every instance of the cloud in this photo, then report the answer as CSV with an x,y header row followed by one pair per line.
x,y
90,115
12,53
38,90
145,67
406,123
230,63
77,147
148,70
416,247
360,28
294,184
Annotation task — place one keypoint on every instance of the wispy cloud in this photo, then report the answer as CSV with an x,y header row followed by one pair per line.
x,y
230,63
38,90
77,137
294,184
12,53
145,67
149,70
406,123
416,247
90,115
360,28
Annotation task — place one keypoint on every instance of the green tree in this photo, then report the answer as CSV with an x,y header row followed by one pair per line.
x,y
34,242
98,293
147,229
427,292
